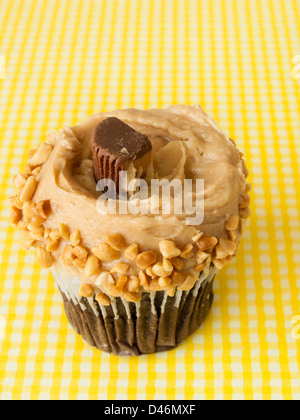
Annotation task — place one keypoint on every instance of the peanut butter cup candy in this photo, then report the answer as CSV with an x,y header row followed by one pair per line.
x,y
135,268
115,145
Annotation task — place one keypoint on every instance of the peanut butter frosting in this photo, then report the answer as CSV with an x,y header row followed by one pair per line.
x,y
56,206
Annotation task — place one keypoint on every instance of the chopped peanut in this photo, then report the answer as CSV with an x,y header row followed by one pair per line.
x,y
164,282
244,201
131,252
19,191
28,168
188,283
29,189
248,188
51,137
200,267
79,263
241,226
54,235
102,299
52,246
92,266
167,265
37,219
225,248
144,280
232,223
86,290
150,273
26,240
120,268
31,153
171,290
207,243
20,225
46,233
105,278
132,284
245,169
176,278
232,234
201,257
154,285
161,270
44,258
36,171
75,238
114,292
18,203
197,237
43,208
28,211
118,289
220,263
16,215
106,253
38,234
41,155
64,231
20,180
68,256
244,213
169,249
208,261
145,259
132,297
177,263
80,252
34,225
187,251
116,241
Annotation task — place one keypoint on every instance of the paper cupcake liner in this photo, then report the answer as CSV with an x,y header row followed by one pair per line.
x,y
157,323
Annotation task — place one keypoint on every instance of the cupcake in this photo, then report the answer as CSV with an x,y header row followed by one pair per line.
x,y
134,265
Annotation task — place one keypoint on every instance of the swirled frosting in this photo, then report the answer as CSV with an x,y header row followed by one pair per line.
x,y
186,144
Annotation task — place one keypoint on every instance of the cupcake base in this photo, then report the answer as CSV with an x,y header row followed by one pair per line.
x,y
157,323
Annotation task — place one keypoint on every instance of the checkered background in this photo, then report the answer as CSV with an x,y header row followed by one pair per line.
x,y
67,59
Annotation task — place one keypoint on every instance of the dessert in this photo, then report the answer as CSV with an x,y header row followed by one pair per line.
x,y
133,282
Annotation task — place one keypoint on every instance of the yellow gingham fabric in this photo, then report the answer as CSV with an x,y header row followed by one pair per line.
x,y
68,59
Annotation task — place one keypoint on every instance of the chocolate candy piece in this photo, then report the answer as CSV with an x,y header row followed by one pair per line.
x,y
115,145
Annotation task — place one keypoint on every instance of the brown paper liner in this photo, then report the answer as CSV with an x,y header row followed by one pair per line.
x,y
145,328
